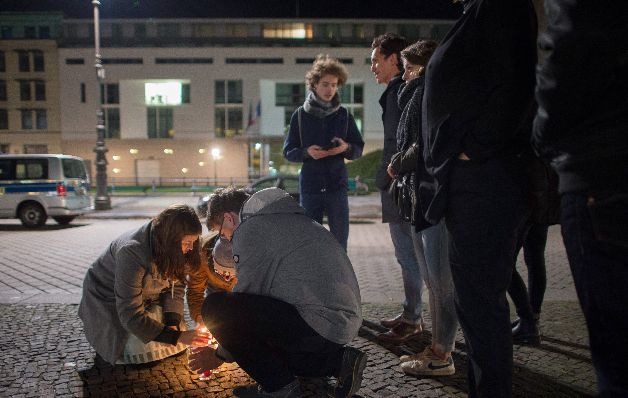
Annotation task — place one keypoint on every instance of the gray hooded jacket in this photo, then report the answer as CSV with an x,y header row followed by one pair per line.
x,y
282,253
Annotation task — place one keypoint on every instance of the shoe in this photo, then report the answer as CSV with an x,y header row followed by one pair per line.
x,y
429,365
514,323
349,378
418,355
292,390
401,333
526,333
392,322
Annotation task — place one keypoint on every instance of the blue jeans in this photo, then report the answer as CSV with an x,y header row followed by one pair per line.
x,y
600,271
336,205
401,234
436,272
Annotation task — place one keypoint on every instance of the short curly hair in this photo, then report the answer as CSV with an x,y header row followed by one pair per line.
x,y
325,65
224,200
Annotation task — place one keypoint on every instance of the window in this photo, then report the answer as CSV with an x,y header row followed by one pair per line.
x,y
160,122
139,30
254,60
7,32
31,169
27,119
203,30
74,61
24,63
116,30
73,168
4,148
109,93
40,90
228,117
290,96
30,32
380,29
25,90
3,65
4,119
112,122
41,119
328,31
3,90
168,30
38,61
5,165
185,93
184,60
83,93
287,31
352,97
122,61
38,148
236,30
228,92
44,32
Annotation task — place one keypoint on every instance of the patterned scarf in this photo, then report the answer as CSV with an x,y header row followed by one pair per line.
x,y
319,108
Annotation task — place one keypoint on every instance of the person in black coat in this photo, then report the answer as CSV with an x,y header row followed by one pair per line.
x,y
479,87
581,126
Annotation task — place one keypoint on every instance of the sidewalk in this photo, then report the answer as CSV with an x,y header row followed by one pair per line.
x,y
43,352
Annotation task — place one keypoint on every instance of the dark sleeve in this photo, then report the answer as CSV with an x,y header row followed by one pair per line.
x,y
354,139
507,35
293,148
168,336
583,41
172,319
408,160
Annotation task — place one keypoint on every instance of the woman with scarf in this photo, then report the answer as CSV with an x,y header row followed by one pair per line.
x,y
430,244
322,135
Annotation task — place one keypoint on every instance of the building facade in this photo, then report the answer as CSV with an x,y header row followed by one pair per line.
x,y
186,99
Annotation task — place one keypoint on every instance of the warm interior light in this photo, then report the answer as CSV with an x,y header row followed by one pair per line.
x,y
168,151
116,170
115,157
201,164
134,151
202,150
184,170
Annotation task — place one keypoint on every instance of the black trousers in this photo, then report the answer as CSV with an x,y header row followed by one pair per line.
x,y
485,209
269,339
528,301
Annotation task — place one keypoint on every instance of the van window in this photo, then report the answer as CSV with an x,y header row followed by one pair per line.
x,y
31,169
73,168
5,169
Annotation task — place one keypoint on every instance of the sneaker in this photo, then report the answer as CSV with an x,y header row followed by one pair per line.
x,y
292,390
392,322
350,375
429,365
418,355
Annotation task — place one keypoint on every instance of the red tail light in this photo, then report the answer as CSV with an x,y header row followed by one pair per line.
x,y
61,190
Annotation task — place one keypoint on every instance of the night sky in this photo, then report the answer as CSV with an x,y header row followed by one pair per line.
x,y
410,9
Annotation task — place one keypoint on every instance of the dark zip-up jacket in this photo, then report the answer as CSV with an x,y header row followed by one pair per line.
x,y
582,91
330,173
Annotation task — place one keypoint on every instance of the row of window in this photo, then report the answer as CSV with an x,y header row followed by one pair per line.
x,y
26,32
27,61
30,119
176,61
27,89
271,30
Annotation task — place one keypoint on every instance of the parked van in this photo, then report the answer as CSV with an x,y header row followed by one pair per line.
x,y
35,187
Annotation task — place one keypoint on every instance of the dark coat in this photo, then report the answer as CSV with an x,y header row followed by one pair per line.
x,y
390,116
479,87
328,173
582,93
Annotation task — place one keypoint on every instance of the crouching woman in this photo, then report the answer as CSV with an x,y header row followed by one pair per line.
x,y
132,304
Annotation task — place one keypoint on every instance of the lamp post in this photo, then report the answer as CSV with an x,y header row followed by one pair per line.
x,y
102,201
215,156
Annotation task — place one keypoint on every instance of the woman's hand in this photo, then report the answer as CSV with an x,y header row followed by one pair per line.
x,y
194,338
342,146
316,152
203,359
390,171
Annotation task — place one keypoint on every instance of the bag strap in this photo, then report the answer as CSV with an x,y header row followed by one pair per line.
x,y
300,133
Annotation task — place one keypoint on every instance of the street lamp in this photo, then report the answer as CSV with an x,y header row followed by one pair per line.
x,y
102,201
215,156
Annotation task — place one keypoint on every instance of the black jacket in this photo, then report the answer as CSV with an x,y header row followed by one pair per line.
x,y
479,86
390,116
582,91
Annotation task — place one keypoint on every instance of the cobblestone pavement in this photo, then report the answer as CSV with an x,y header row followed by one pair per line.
x,y
43,352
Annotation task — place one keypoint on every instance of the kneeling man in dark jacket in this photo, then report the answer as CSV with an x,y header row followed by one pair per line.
x,y
296,303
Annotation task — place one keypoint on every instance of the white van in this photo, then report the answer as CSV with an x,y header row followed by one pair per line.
x,y
35,187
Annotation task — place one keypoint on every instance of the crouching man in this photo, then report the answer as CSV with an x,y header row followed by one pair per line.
x,y
296,303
